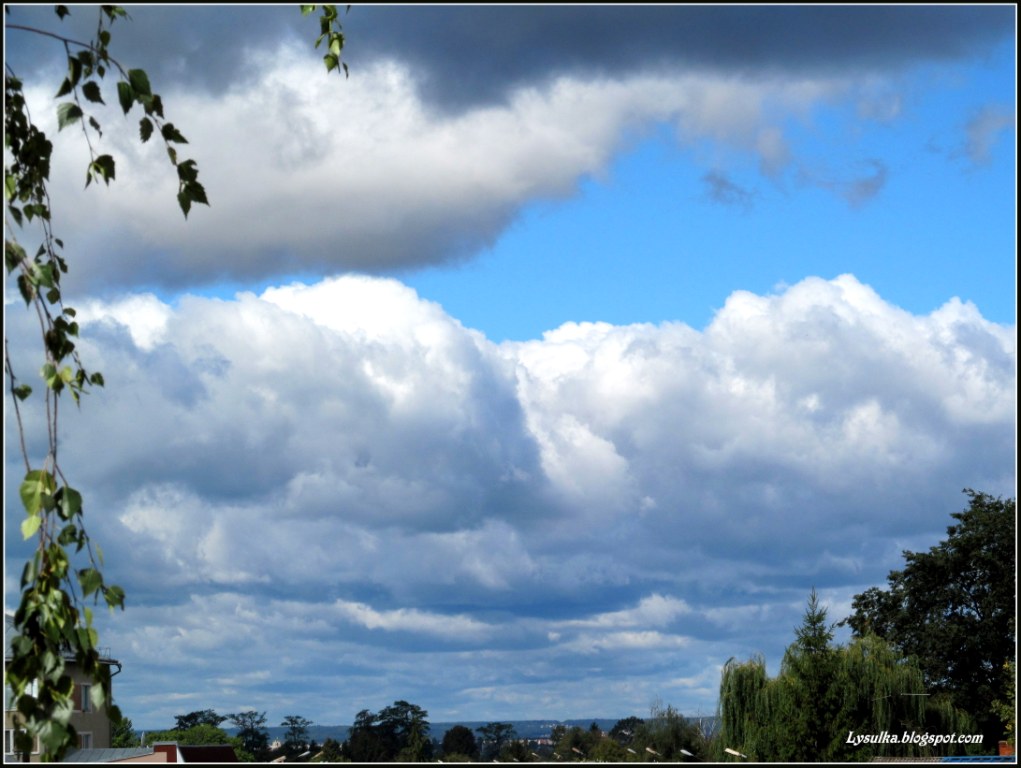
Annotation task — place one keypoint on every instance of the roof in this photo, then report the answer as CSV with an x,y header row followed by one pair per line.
x,y
171,752
212,753
10,633
105,755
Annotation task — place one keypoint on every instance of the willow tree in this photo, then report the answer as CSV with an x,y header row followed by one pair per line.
x,y
826,698
53,622
740,687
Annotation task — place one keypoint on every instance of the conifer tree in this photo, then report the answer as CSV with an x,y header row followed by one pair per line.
x,y
826,693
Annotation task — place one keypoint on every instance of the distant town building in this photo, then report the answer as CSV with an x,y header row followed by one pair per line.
x,y
93,726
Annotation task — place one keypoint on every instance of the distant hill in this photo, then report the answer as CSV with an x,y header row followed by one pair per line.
x,y
525,729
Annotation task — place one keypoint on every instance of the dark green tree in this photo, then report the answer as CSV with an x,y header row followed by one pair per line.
x,y
200,717
252,731
952,609
365,742
398,732
624,731
201,735
557,733
459,740
1006,706
122,734
607,750
515,751
330,753
574,744
668,733
296,737
406,730
807,673
492,737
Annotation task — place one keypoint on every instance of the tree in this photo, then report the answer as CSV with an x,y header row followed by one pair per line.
x,y
398,732
492,737
330,753
1006,707
624,731
364,742
824,693
460,740
557,733
201,735
405,727
53,623
668,733
252,731
807,671
122,734
296,737
515,751
199,717
952,608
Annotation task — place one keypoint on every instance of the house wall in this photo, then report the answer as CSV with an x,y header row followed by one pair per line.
x,y
96,723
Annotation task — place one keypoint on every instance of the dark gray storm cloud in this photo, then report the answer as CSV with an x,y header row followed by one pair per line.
x,y
519,45
463,56
454,118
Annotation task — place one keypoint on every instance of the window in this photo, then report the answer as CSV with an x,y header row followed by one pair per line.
x,y
86,699
31,690
85,740
9,743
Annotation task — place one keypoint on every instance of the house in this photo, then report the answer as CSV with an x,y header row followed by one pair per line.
x,y
93,726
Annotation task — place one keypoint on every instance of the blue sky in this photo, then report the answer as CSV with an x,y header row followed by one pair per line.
x,y
528,386
632,244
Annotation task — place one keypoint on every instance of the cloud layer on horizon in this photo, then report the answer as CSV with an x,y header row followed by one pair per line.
x,y
594,516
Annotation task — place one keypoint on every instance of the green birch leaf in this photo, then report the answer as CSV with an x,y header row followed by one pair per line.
x,y
67,114
36,485
92,92
69,501
196,192
90,579
125,95
104,167
26,288
74,67
170,133
139,82
30,525
114,597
